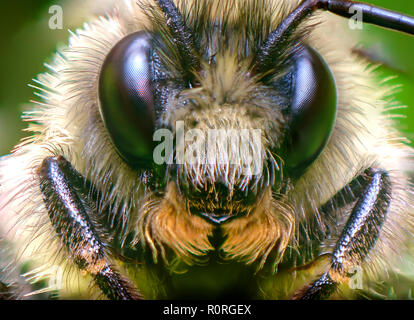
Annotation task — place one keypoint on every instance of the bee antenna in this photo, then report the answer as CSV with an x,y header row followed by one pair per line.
x,y
276,41
180,32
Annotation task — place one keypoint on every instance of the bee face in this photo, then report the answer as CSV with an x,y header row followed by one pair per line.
x,y
200,130
145,85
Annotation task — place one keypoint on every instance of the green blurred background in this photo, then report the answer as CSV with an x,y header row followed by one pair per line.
x,y
28,43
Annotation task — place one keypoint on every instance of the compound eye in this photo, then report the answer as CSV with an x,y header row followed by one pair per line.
x,y
312,111
126,98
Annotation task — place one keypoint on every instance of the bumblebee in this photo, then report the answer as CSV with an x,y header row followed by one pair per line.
x,y
209,149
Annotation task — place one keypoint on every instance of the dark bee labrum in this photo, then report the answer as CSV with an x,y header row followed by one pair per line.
x,y
126,98
312,110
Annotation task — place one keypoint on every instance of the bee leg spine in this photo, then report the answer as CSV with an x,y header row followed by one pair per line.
x,y
66,198
358,237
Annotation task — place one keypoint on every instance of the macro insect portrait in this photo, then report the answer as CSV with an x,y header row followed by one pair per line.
x,y
211,149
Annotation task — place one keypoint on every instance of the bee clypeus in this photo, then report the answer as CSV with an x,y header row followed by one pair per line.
x,y
209,149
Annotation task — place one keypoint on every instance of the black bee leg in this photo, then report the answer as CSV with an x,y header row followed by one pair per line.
x,y
359,235
65,195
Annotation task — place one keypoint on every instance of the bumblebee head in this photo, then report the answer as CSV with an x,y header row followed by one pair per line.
x,y
203,104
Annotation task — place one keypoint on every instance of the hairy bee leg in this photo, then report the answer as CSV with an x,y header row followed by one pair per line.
x,y
65,198
358,237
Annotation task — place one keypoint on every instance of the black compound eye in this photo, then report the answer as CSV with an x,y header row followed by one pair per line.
x,y
312,110
127,100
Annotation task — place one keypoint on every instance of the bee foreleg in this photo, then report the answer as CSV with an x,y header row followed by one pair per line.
x,y
65,197
358,236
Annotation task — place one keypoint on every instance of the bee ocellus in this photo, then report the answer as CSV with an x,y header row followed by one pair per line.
x,y
210,149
